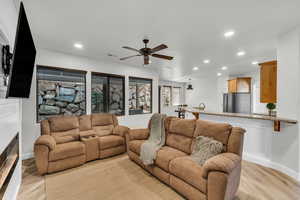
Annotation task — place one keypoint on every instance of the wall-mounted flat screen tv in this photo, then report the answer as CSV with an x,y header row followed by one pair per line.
x,y
21,71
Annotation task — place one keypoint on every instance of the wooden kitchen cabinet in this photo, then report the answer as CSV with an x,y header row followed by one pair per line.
x,y
242,84
268,82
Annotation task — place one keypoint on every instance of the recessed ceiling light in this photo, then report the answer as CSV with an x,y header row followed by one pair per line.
x,y
241,53
224,68
206,61
229,34
195,68
219,74
78,46
254,63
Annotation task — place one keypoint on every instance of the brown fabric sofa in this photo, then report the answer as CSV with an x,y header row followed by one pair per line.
x,y
217,179
69,141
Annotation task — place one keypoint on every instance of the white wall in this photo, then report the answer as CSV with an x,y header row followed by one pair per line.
x,y
31,129
205,91
288,98
10,109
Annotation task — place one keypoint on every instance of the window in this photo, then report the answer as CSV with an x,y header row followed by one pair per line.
x,y
170,95
140,96
108,94
176,96
166,95
60,92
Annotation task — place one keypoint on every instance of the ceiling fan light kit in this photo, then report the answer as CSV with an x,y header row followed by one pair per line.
x,y
147,52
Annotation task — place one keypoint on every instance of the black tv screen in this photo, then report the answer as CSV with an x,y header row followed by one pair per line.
x,y
23,59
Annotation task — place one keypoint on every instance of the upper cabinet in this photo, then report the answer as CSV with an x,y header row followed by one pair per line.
x,y
239,85
268,82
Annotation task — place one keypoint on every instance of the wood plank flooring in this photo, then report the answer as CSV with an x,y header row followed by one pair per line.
x,y
257,182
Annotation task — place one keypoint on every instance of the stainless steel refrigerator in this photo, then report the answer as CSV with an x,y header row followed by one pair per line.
x,y
237,103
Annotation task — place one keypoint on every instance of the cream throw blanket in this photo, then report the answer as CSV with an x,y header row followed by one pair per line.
x,y
155,141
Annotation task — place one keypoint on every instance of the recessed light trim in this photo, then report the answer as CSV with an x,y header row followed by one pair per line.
x,y
195,68
206,61
219,74
224,68
254,63
229,34
78,45
241,53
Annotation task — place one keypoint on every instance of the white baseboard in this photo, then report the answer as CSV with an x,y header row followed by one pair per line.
x,y
270,164
26,156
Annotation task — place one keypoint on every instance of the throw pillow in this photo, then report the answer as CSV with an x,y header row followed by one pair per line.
x,y
205,148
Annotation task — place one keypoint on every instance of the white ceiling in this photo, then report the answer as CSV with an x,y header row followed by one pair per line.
x,y
192,29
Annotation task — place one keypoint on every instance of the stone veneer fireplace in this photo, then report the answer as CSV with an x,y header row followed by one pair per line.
x,y
8,161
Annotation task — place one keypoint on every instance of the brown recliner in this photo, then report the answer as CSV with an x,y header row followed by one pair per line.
x,y
70,141
217,179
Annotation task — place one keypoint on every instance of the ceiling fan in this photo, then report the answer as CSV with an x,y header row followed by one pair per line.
x,y
147,52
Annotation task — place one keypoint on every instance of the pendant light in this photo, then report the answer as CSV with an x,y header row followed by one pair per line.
x,y
190,87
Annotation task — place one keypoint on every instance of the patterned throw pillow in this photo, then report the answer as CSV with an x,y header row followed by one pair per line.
x,y
205,148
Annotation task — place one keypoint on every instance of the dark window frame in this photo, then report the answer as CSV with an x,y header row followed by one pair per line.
x,y
56,68
143,79
107,75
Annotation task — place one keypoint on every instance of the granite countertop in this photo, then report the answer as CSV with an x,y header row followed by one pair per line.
x,y
240,115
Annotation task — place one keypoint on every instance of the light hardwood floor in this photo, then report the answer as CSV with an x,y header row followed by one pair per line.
x,y
257,182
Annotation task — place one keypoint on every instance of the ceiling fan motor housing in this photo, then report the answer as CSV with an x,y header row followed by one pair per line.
x,y
146,40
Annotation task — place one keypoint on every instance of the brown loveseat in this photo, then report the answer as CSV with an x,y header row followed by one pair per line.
x,y
69,141
217,179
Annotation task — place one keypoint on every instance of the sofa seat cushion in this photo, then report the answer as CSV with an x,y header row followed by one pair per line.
x,y
110,141
135,146
165,155
189,171
67,150
103,130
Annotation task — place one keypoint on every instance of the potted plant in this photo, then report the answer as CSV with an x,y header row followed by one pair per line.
x,y
271,107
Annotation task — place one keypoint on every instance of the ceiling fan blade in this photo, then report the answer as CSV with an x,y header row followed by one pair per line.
x,y
162,56
158,48
129,57
132,49
146,60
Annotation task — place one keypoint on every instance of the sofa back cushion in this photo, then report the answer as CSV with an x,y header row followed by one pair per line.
x,y
64,128
180,134
217,131
103,130
85,122
103,119
63,123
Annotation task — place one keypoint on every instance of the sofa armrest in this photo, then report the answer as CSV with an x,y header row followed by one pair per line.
x,y
46,140
139,134
225,162
120,130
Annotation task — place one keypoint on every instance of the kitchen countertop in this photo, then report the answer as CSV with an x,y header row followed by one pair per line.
x,y
240,115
